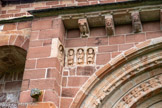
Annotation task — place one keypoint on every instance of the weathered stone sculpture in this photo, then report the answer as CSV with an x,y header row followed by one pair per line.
x,y
70,58
61,54
109,24
84,27
80,56
90,56
136,22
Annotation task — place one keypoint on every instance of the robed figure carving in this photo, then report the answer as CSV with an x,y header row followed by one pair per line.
x,y
80,56
70,58
90,56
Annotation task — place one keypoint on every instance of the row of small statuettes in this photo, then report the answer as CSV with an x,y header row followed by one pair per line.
x,y
80,56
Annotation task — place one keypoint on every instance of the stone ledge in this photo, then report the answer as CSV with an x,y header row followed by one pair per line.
x,y
42,105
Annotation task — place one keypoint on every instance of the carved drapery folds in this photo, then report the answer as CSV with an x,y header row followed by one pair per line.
x,y
84,27
109,25
136,22
80,56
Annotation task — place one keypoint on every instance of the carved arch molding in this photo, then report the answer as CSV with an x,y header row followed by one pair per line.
x,y
128,81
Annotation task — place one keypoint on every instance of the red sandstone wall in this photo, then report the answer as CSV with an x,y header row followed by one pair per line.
x,y
16,34
39,73
44,72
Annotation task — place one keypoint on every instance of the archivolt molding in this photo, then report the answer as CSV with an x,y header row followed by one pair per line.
x,y
151,86
109,85
151,101
88,97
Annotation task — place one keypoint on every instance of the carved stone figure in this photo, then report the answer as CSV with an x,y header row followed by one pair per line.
x,y
70,58
90,56
84,27
109,24
136,22
61,54
80,56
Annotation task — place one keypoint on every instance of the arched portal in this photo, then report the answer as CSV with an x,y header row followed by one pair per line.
x,y
12,63
126,81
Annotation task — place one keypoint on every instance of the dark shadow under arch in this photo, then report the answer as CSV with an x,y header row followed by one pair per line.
x,y
12,63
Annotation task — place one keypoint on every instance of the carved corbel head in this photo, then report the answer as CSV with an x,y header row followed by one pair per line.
x,y
109,25
84,27
136,22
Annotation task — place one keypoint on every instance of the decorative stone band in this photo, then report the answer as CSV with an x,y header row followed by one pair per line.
x,y
92,92
138,92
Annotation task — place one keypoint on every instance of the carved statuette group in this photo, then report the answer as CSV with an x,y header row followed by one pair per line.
x,y
80,56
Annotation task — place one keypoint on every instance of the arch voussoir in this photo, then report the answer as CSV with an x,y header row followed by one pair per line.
x,y
19,41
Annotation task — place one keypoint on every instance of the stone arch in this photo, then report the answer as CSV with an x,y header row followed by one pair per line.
x,y
144,56
12,63
140,92
19,41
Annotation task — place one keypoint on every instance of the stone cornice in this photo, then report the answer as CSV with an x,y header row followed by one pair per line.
x,y
120,16
93,8
119,9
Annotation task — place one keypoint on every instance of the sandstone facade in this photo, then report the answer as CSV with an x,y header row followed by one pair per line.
x,y
81,53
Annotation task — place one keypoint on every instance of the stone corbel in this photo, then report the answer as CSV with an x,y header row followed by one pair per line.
x,y
84,27
161,19
136,22
109,25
